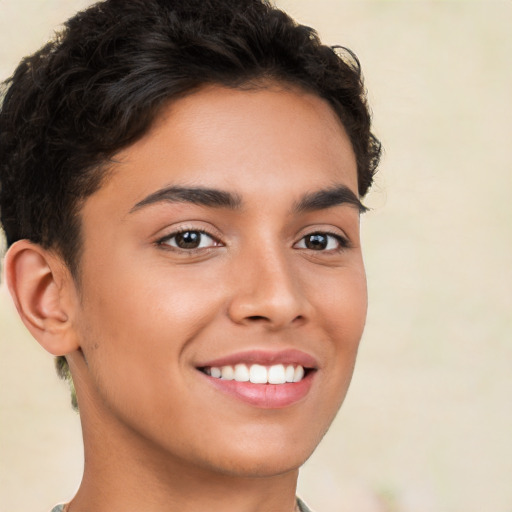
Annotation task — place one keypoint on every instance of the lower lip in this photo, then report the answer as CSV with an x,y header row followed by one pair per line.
x,y
265,396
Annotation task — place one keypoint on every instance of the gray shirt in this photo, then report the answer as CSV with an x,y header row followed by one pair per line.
x,y
302,507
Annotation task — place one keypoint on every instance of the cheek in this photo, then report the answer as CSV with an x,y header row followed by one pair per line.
x,y
136,329
149,299
139,322
342,315
342,304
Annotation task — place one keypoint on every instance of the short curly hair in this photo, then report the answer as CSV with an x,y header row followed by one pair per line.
x,y
100,83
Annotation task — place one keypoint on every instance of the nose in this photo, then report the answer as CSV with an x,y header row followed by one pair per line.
x,y
267,291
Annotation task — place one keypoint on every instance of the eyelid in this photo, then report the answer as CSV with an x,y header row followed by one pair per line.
x,y
173,232
342,239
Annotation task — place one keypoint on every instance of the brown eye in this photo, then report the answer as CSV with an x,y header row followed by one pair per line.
x,y
190,240
322,242
316,242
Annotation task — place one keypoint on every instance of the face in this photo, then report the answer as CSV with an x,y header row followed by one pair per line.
x,y
223,291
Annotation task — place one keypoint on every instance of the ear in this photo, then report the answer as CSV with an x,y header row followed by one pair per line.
x,y
44,293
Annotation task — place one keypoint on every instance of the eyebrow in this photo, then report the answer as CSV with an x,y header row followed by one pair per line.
x,y
328,198
209,197
214,198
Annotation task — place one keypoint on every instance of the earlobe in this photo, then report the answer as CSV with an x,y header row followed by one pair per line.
x,y
40,286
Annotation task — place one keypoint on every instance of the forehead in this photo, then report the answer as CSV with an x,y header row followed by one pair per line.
x,y
242,140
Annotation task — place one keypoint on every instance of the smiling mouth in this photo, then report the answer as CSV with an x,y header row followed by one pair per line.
x,y
258,374
262,378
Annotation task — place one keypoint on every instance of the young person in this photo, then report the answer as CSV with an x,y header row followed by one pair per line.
x,y
181,186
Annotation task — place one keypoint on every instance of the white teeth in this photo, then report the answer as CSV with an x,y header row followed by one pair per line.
x,y
227,373
276,374
298,374
241,373
258,374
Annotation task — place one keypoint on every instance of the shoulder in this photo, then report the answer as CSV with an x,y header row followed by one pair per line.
x,y
302,507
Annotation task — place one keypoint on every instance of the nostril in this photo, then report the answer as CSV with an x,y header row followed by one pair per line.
x,y
259,318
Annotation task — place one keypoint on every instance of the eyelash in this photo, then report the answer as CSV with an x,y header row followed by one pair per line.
x,y
343,243
163,242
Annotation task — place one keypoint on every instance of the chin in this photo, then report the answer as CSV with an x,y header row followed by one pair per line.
x,y
262,466
265,457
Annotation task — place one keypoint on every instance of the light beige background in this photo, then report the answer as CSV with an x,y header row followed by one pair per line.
x,y
427,425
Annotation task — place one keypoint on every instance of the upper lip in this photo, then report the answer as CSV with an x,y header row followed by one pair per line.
x,y
264,358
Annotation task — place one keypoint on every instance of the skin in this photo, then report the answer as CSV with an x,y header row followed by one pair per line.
x,y
157,435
